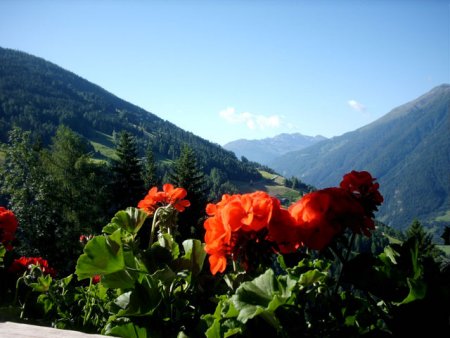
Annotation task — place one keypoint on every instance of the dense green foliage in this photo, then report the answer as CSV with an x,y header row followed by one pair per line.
x,y
165,290
39,96
187,174
408,150
57,194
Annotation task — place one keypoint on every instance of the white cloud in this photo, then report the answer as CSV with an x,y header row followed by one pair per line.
x,y
252,121
355,105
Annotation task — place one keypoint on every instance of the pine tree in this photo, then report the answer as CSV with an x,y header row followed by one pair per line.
x,y
186,174
425,241
77,192
127,185
149,175
295,182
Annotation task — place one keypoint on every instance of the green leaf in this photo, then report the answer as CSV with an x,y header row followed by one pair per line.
x,y
195,253
156,258
110,228
262,296
390,253
213,330
2,254
125,279
130,220
166,275
227,328
281,262
66,280
43,283
417,267
166,241
310,277
417,290
193,258
46,302
144,299
118,280
103,255
128,330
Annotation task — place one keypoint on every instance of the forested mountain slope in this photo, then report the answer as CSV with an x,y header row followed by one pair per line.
x,y
39,96
408,150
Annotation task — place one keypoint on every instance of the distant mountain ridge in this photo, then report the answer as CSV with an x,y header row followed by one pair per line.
x,y
265,150
408,150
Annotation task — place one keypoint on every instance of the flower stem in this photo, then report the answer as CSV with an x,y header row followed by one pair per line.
x,y
345,260
154,226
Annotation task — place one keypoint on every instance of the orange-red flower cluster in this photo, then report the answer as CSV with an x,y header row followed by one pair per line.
x,y
322,215
313,221
233,216
169,196
22,264
8,227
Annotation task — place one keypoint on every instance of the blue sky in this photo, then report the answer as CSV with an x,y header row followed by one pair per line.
x,y
226,70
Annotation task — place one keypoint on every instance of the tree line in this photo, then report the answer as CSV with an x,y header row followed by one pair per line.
x,y
61,191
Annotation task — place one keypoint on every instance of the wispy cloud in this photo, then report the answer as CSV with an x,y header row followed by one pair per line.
x,y
252,121
357,106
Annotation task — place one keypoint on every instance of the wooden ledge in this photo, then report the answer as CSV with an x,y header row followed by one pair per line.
x,y
17,330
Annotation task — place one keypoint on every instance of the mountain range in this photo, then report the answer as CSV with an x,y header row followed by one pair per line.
x,y
407,150
266,150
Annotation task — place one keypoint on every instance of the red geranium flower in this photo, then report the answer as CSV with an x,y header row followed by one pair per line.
x,y
84,239
8,227
169,196
175,197
235,219
258,208
282,229
22,264
242,227
323,214
362,185
96,279
225,219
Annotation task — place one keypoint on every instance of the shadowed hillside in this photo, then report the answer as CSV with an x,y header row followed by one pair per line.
x,y
408,150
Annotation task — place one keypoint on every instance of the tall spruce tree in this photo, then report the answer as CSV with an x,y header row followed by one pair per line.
x,y
127,184
187,174
149,175
77,192
417,232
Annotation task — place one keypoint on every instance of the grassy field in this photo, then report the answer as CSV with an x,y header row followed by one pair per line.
x,y
445,248
103,144
444,218
273,185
